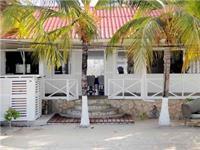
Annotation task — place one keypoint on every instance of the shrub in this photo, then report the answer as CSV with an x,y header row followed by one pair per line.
x,y
10,115
189,99
143,115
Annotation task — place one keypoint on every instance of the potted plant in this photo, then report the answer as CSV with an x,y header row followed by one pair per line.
x,y
10,115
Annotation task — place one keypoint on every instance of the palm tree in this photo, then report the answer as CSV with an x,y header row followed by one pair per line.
x,y
47,44
176,24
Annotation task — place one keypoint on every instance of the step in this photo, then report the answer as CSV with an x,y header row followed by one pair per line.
x,y
94,107
92,116
94,101
95,113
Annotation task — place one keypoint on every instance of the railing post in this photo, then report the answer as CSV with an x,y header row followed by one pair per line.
x,y
123,88
182,80
108,88
43,87
67,89
77,93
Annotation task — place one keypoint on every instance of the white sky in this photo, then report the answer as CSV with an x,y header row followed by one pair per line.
x,y
41,2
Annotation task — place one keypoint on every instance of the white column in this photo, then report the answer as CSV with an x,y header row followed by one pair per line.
x,y
75,66
164,119
42,81
41,68
143,75
198,66
110,69
85,122
2,62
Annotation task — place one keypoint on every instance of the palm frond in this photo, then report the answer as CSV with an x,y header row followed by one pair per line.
x,y
143,40
187,27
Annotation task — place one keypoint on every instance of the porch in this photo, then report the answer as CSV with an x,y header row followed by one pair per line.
x,y
26,92
64,83
129,86
150,86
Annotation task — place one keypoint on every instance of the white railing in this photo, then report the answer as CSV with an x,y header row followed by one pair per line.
x,y
125,88
60,89
181,86
154,86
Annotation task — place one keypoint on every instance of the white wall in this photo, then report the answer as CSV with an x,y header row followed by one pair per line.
x,y
29,97
5,97
110,69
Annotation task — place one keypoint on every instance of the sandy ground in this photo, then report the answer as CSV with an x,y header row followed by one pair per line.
x,y
143,135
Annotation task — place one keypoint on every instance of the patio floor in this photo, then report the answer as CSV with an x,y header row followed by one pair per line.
x,y
145,135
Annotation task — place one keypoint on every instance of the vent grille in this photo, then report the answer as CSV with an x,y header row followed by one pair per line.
x,y
19,97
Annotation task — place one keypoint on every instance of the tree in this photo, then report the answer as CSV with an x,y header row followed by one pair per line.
x,y
28,21
176,24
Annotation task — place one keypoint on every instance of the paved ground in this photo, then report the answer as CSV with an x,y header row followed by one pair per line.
x,y
145,135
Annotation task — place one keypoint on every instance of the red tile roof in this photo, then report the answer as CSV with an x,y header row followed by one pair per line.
x,y
110,20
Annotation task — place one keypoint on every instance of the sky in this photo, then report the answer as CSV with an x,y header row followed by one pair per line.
x,y
41,2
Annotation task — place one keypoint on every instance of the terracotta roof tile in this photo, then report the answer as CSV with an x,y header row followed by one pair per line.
x,y
110,20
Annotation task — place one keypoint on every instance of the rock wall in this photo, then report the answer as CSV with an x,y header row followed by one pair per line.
x,y
139,109
60,106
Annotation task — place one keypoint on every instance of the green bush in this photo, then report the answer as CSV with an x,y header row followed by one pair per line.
x,y
189,99
10,115
143,116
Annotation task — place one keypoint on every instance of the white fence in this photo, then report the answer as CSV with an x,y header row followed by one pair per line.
x,y
21,93
60,89
126,88
134,87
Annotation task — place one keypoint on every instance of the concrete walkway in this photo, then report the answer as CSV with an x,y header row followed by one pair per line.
x,y
143,135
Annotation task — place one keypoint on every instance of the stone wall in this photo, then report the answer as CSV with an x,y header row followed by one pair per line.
x,y
60,106
140,108
137,108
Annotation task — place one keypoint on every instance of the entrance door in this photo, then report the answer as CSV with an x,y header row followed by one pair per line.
x,y
95,73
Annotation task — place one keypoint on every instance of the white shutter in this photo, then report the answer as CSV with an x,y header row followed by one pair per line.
x,y
19,97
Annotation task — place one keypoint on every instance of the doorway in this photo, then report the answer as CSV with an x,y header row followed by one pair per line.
x,y
95,73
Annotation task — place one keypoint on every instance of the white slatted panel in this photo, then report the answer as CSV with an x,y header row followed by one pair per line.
x,y
37,99
19,97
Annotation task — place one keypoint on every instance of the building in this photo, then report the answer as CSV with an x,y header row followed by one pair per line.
x,y
25,81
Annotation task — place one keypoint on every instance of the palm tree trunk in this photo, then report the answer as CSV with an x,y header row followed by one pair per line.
x,y
164,118
84,69
85,122
167,64
3,5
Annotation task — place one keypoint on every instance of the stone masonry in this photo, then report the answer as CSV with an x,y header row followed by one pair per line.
x,y
136,108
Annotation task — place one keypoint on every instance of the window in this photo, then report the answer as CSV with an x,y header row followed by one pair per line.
x,y
176,62
14,63
124,66
64,69
158,63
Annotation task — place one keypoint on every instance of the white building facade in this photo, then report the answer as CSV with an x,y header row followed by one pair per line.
x,y
25,82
